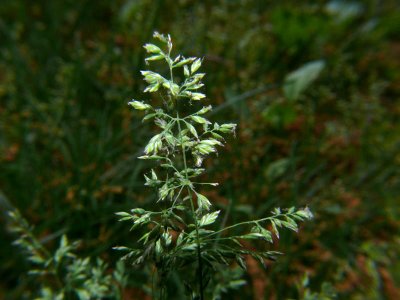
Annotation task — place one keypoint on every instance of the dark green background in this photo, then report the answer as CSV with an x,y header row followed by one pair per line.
x,y
69,142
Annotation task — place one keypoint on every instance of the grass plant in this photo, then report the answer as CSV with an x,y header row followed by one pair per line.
x,y
184,228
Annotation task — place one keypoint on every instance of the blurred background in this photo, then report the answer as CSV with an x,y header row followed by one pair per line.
x,y
313,85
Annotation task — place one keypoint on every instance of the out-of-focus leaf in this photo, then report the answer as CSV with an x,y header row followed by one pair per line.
x,y
129,10
297,81
277,168
344,10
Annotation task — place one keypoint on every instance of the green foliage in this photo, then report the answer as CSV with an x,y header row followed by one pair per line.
x,y
327,291
62,274
180,149
69,145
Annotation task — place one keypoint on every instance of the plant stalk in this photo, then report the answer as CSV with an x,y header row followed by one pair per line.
x,y
200,263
